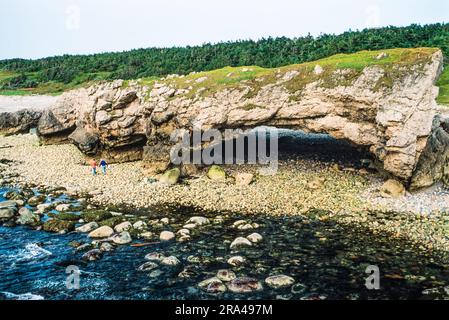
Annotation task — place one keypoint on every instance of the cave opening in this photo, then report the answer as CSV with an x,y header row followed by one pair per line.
x,y
291,145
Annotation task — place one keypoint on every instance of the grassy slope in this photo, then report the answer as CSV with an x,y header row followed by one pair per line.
x,y
256,77
207,83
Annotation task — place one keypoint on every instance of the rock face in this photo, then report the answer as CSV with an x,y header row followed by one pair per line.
x,y
386,107
18,122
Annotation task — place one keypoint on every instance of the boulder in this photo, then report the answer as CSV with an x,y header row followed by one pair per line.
x,y
392,189
88,227
236,261
102,232
122,238
35,200
245,285
199,221
166,236
58,226
170,177
63,207
244,179
216,173
170,261
254,238
212,286
226,275
87,142
240,242
93,255
124,226
27,217
148,266
279,281
6,213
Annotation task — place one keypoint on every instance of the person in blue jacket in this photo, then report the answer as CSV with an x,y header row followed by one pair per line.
x,y
103,166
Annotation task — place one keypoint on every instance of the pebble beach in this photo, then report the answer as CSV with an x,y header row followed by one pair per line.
x,y
350,196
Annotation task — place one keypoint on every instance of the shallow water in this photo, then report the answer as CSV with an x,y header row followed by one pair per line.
x,y
326,260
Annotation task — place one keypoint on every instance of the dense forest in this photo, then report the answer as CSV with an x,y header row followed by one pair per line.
x,y
271,52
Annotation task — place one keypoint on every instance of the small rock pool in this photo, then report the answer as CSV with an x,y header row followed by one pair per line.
x,y
326,261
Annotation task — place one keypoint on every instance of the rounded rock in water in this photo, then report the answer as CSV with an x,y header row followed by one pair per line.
x,y
245,285
236,261
93,255
148,266
226,275
255,238
240,242
170,261
279,281
166,236
122,238
212,285
154,256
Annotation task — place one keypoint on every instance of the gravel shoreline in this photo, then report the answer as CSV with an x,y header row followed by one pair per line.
x,y
347,195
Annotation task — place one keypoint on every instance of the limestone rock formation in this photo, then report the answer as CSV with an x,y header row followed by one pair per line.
x,y
386,106
18,122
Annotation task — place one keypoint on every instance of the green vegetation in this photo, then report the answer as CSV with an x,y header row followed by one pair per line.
x,y
443,83
340,69
56,74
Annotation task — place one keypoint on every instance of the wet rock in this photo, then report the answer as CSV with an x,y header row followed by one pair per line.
x,y
216,173
44,207
392,189
244,179
226,275
6,213
166,236
63,207
170,177
122,238
199,221
58,226
254,238
93,255
190,226
27,217
245,285
279,281
184,238
148,266
170,261
106,247
240,242
65,216
212,285
146,235
139,225
34,201
102,232
184,232
236,261
96,215
154,256
124,226
88,227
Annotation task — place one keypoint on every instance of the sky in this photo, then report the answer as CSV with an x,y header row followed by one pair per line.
x,y
41,28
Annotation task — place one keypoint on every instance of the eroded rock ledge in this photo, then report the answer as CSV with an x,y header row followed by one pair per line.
x,y
385,104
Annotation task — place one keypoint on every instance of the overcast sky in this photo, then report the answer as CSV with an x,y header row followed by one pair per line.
x,y
40,28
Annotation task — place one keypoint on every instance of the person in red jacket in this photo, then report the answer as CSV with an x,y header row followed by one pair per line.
x,y
93,166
